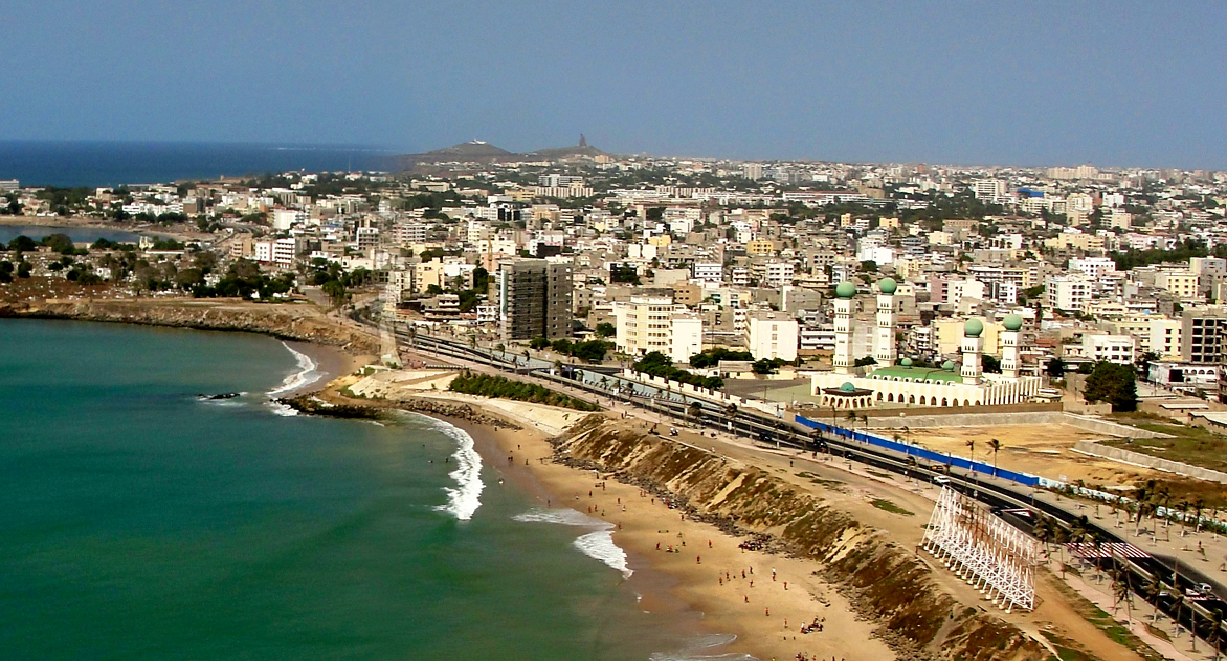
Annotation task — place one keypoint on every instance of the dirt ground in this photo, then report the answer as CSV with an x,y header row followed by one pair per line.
x,y
1045,450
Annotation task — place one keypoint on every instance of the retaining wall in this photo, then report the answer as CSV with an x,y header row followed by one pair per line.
x,y
1157,463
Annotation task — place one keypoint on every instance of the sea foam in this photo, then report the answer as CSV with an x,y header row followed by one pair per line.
x,y
598,545
696,648
305,374
465,497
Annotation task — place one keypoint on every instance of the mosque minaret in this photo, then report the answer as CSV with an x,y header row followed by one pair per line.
x,y
973,348
1011,346
842,360
884,345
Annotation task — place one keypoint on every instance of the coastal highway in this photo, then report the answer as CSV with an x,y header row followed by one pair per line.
x,y
1180,597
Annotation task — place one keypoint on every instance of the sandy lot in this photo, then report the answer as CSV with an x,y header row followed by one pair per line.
x,y
1044,450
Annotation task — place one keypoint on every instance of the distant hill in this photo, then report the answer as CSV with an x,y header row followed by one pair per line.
x,y
478,151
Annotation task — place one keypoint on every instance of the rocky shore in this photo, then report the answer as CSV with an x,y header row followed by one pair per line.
x,y
303,322
333,403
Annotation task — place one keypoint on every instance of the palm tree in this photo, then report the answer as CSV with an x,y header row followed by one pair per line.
x,y
1178,603
694,411
1215,634
1121,592
1043,532
995,446
1199,506
1151,592
1183,507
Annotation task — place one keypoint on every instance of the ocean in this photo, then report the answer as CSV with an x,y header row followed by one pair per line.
x,y
100,164
141,522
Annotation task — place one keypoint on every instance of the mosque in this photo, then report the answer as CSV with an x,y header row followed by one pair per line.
x,y
895,382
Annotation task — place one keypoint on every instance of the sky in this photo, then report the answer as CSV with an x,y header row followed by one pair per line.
x,y
1117,84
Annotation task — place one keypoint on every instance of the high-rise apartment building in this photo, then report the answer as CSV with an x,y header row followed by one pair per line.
x,y
1201,334
534,298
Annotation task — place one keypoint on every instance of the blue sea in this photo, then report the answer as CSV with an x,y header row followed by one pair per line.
x,y
143,523
97,164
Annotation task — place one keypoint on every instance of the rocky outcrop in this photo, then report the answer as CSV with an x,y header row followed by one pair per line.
x,y
338,401
459,410
301,322
883,581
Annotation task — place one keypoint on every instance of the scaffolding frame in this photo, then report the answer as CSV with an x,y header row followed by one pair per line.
x,y
990,554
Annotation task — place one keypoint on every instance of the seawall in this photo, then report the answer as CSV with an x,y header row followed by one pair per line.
x,y
883,581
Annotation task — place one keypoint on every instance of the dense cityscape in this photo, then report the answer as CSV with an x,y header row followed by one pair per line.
x,y
681,256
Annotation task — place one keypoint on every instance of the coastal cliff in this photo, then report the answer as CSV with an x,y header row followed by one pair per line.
x,y
884,582
302,322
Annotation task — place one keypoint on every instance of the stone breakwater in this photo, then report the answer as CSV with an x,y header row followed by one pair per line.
x,y
301,322
883,581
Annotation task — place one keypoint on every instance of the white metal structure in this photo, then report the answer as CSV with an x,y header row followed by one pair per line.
x,y
989,553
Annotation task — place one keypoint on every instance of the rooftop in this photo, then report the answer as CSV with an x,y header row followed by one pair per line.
x,y
916,374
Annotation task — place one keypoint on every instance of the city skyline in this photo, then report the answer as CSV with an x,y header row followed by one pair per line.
x,y
1111,85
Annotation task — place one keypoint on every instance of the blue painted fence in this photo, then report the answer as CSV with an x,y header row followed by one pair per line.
x,y
920,453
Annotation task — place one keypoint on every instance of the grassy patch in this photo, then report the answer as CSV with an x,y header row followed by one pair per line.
x,y
1192,445
830,484
1158,633
1067,650
880,474
883,504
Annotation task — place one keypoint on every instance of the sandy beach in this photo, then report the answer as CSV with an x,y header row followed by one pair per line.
x,y
762,599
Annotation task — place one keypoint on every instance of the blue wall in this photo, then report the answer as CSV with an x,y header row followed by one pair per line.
x,y
920,453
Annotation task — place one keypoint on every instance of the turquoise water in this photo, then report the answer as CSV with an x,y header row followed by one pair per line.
x,y
141,523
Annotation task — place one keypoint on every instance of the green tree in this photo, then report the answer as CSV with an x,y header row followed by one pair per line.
x,y
991,364
335,291
1055,368
1112,383
606,329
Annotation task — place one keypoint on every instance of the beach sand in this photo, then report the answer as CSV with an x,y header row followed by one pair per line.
x,y
705,569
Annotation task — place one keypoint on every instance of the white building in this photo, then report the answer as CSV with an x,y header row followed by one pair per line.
x,y
653,323
284,251
1093,267
1068,292
778,274
771,334
1118,349
708,272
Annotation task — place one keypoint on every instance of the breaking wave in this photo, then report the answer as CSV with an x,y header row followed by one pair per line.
x,y
305,374
463,499
598,545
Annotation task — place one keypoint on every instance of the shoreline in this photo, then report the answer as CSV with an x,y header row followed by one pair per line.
x,y
655,590
701,581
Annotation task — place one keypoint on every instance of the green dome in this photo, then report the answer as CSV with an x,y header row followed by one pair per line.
x,y
948,365
906,362
1012,322
887,285
847,387
845,289
973,328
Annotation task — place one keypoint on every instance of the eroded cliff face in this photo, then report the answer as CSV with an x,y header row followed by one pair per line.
x,y
885,582
287,321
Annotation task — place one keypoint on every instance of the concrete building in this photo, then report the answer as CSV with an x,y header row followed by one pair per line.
x,y
1118,349
534,298
654,323
771,334
1069,292
1201,334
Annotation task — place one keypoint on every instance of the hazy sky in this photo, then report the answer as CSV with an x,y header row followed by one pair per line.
x,y
1034,83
